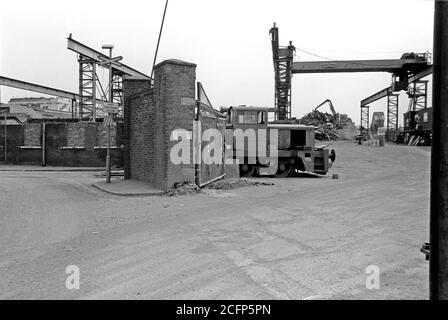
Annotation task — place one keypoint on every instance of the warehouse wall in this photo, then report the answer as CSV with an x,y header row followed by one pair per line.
x,y
151,116
32,135
78,144
15,137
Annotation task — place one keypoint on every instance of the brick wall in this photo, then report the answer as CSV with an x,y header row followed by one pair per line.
x,y
101,136
80,134
14,137
59,135
32,134
150,117
142,138
130,88
75,134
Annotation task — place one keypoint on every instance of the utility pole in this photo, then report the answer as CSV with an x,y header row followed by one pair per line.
x,y
438,260
110,47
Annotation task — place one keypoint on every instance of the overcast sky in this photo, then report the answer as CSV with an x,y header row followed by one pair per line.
x,y
228,40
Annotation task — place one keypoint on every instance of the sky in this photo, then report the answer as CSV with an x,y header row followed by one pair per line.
x,y
228,40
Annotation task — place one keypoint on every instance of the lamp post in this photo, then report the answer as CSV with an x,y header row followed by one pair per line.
x,y
109,47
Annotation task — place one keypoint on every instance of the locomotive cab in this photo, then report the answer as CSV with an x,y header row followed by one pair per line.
x,y
246,117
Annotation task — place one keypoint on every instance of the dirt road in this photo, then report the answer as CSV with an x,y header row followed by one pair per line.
x,y
300,238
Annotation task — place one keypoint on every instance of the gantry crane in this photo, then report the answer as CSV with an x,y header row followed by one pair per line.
x,y
84,103
89,83
406,71
416,89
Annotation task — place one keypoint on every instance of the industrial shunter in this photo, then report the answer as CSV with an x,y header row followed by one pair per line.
x,y
249,127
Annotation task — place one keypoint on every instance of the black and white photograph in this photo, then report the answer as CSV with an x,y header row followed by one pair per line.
x,y
224,155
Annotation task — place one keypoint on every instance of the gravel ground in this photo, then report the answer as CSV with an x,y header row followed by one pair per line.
x,y
296,239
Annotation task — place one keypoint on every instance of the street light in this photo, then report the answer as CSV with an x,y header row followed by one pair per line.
x,y
109,47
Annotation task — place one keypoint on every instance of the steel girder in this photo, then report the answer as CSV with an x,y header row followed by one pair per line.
x,y
98,57
91,89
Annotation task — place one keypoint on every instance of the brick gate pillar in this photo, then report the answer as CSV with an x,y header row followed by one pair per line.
x,y
174,90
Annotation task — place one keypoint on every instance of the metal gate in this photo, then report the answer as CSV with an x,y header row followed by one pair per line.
x,y
206,117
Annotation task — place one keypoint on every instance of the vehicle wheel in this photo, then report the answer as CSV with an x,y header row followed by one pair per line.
x,y
332,155
256,172
284,169
246,170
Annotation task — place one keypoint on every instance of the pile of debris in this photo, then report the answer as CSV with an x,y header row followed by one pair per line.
x,y
232,183
182,188
329,127
416,140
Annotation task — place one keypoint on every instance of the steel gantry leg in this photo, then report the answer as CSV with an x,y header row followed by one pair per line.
x,y
94,77
392,116
418,95
283,59
117,91
87,88
365,120
90,86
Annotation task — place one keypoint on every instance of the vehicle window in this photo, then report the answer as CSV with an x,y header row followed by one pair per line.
x,y
247,117
261,117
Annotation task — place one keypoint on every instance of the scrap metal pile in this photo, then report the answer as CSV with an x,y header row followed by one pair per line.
x,y
329,127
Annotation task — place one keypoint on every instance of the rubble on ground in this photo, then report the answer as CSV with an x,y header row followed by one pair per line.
x,y
329,127
182,188
232,183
